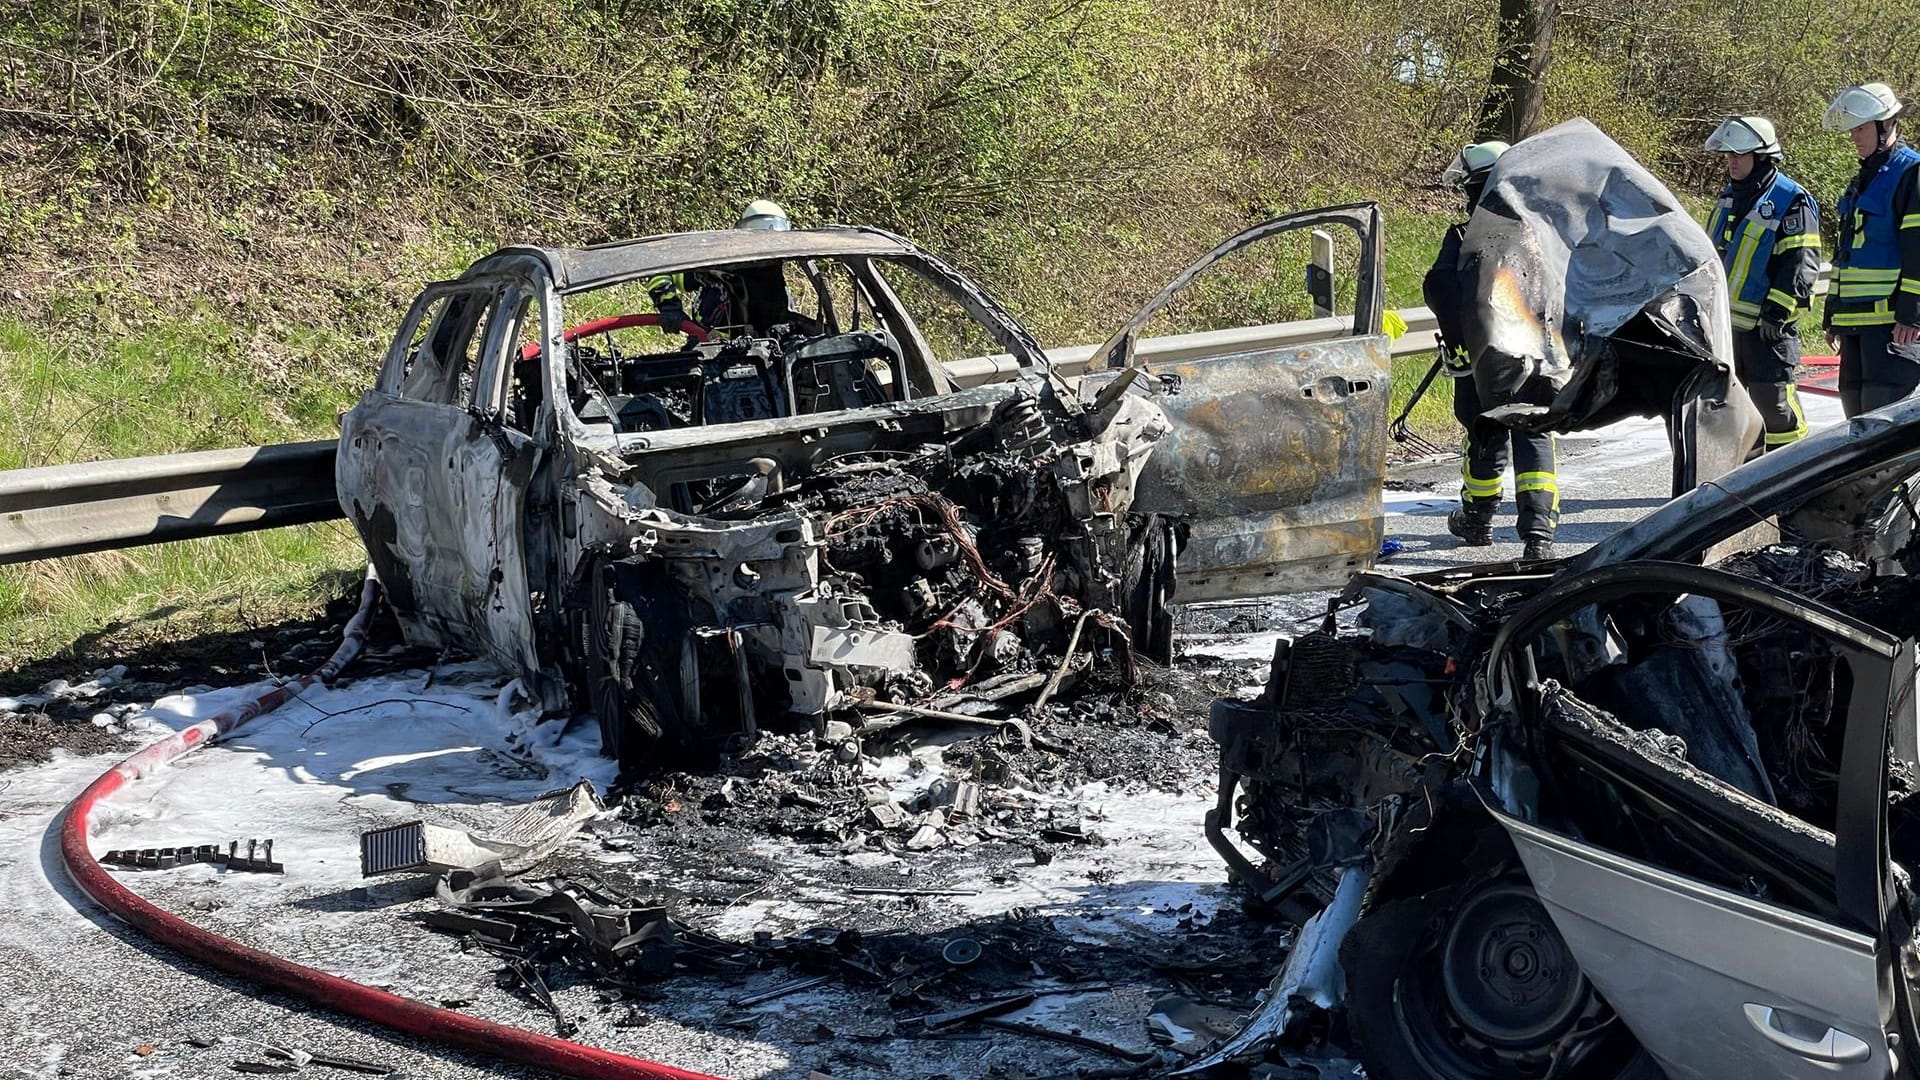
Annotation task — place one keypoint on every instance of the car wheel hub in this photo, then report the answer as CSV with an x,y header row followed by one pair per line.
x,y
1507,977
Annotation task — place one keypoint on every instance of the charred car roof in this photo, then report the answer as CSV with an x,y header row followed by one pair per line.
x,y
578,268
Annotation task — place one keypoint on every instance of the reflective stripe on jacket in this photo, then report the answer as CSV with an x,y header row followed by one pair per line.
x,y
1747,247
1867,267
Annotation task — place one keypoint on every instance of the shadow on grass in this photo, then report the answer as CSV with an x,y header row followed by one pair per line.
x,y
159,646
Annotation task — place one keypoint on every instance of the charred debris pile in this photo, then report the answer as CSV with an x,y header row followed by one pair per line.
x,y
558,931
946,787
889,822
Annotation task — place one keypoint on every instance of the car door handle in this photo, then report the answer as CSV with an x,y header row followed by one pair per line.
x,y
1831,1045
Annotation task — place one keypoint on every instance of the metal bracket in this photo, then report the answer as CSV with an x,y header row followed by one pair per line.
x,y
257,860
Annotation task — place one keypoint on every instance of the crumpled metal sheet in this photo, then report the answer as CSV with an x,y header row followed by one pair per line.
x,y
535,831
1311,978
1825,480
1572,240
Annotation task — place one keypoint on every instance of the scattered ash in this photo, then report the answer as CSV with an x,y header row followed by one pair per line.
x,y
1291,615
30,737
88,717
911,790
223,658
928,900
41,712
1055,992
1153,735
574,929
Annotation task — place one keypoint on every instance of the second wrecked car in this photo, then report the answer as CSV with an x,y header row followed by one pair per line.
x,y
868,487
1642,814
1649,811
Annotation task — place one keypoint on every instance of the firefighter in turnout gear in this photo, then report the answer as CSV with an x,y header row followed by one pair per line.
x,y
716,302
1489,443
1767,230
1873,309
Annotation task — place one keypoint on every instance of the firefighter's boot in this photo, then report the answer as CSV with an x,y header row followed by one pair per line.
x,y
1473,523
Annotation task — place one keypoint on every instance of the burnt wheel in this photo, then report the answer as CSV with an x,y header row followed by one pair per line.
x,y
627,721
1475,983
636,646
1147,582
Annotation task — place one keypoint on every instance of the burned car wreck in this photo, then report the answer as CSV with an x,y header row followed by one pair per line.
x,y
1642,811
865,491
1647,811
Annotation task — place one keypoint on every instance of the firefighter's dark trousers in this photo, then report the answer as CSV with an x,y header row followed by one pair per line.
x,y
1872,374
1766,369
1483,461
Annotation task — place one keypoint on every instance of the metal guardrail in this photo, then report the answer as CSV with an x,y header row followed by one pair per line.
x,y
72,509
93,506
1173,348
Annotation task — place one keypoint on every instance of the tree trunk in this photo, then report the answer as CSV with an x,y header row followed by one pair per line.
x,y
1511,109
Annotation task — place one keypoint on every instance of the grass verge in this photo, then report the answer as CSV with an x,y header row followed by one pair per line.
x,y
1432,416
122,380
92,607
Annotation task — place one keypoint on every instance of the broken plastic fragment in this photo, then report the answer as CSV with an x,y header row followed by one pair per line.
x,y
959,798
534,833
1189,1027
887,815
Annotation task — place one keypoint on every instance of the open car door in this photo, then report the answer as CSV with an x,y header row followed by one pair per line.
x,y
1276,457
1733,938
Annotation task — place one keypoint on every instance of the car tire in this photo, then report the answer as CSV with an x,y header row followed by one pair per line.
x,y
1473,982
1146,588
610,663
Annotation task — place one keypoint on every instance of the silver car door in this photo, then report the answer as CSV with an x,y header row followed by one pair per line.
x,y
1711,983
1714,983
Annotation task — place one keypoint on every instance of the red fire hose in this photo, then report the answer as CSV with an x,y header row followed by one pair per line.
x,y
1820,375
616,322
328,991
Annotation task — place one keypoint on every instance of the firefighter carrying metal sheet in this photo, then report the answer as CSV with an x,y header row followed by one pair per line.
x,y
1873,309
1767,230
1489,443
